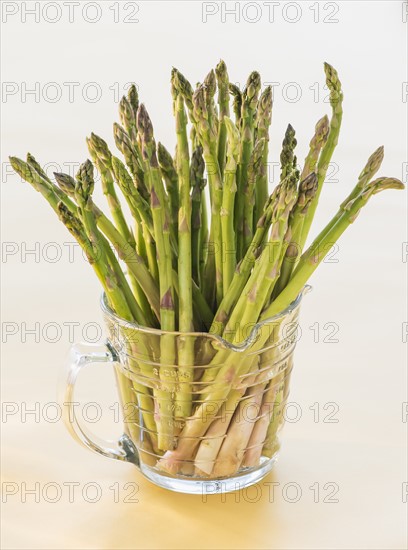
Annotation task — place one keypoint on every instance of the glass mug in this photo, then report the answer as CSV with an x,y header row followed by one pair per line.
x,y
206,425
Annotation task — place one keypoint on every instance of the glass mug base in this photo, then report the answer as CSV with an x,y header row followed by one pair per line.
x,y
196,486
201,415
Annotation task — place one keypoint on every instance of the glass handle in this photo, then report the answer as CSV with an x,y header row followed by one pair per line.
x,y
80,356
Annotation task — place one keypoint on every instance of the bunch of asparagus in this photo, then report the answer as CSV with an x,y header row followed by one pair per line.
x,y
179,267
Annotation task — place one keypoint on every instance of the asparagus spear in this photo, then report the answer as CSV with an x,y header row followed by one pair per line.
x,y
236,103
248,109
183,86
139,208
101,156
223,104
133,158
228,198
171,180
204,236
307,191
256,169
336,102
186,345
197,183
167,312
262,124
287,156
315,146
128,118
207,133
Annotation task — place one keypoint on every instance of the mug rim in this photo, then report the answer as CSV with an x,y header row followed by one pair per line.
x,y
106,310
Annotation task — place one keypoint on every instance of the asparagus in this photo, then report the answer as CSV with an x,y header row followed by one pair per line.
x,y
186,348
223,103
133,158
256,169
127,116
197,183
133,98
262,124
102,157
167,311
170,177
255,271
139,208
336,102
236,103
248,108
204,236
287,156
307,191
227,209
183,86
207,133
315,146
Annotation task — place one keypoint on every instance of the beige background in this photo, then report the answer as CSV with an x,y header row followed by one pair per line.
x,y
362,291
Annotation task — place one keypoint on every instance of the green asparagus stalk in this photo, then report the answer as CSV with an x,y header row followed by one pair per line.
x,y
228,199
262,125
207,132
307,191
236,103
101,156
167,311
197,183
336,102
128,119
186,345
183,86
248,110
35,165
315,146
133,98
287,156
133,158
256,169
204,237
171,180
138,207
223,108
136,195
